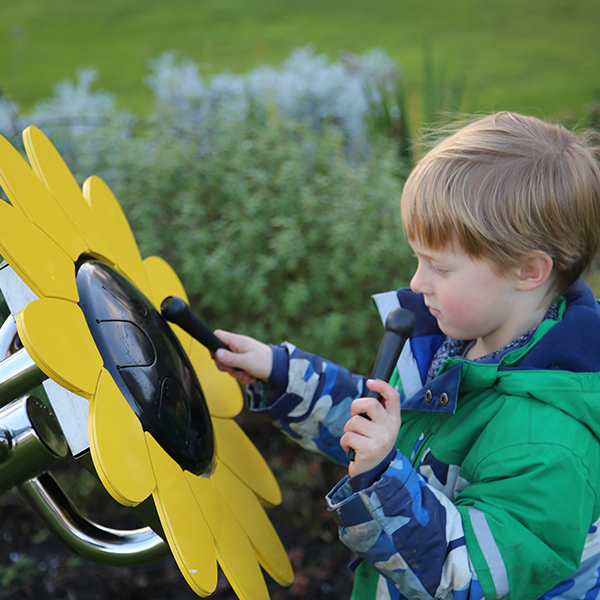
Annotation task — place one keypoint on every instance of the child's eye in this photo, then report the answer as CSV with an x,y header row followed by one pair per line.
x,y
438,270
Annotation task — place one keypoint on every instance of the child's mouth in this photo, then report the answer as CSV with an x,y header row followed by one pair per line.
x,y
435,312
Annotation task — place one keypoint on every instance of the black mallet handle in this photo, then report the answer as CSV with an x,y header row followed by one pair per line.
x,y
398,327
176,310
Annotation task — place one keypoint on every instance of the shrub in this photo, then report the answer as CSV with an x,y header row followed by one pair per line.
x,y
306,88
274,231
268,192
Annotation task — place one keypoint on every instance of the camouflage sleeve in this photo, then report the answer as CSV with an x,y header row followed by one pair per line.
x,y
409,532
314,403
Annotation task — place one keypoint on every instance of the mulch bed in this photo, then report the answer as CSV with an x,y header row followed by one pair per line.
x,y
34,565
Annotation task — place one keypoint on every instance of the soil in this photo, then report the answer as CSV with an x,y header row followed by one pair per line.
x,y
34,565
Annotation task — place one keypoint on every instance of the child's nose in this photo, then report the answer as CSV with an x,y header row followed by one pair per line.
x,y
418,283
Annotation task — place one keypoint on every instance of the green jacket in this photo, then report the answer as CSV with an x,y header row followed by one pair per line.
x,y
512,446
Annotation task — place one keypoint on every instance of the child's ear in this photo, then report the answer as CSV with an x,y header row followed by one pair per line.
x,y
534,270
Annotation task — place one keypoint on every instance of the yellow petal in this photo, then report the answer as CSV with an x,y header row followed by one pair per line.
x,y
251,516
27,193
114,223
222,392
49,166
118,445
241,456
38,261
164,282
57,337
188,534
234,552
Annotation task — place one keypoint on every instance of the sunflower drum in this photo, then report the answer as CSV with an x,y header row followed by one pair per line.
x,y
137,398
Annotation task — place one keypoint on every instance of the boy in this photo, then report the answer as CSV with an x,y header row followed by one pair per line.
x,y
486,483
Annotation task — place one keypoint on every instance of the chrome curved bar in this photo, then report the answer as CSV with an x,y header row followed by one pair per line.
x,y
88,539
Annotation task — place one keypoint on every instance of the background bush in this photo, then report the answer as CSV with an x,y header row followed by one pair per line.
x,y
274,232
270,193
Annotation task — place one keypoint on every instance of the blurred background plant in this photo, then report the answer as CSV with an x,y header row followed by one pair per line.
x,y
274,194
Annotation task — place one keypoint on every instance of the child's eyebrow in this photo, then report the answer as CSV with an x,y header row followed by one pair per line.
x,y
424,254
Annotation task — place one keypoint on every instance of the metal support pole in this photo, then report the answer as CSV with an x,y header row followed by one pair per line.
x,y
30,440
90,540
18,376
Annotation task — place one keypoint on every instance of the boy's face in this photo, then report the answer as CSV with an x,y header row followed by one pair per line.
x,y
468,297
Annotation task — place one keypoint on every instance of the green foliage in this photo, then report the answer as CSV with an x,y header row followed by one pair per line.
x,y
275,195
273,229
441,97
21,568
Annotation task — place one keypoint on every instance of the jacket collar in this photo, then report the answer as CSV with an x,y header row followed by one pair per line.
x,y
559,346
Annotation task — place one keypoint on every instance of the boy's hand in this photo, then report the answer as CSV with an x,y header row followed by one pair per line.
x,y
249,359
372,440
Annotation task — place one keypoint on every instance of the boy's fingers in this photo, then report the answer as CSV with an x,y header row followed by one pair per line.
x,y
240,346
390,395
239,374
234,340
380,386
351,440
246,353
224,357
243,377
366,406
232,360
361,426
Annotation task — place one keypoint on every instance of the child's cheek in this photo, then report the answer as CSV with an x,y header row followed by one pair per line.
x,y
460,313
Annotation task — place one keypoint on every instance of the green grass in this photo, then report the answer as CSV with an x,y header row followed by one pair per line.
x,y
537,56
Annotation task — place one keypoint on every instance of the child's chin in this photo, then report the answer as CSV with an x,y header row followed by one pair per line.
x,y
451,332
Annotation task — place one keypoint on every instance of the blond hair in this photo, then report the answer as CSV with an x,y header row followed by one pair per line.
x,y
507,184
